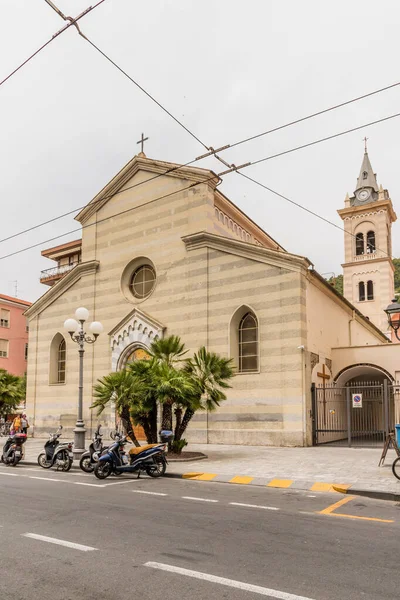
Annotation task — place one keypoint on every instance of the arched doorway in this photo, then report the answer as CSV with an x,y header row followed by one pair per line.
x,y
132,353
357,409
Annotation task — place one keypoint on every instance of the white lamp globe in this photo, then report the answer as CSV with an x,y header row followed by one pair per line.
x,y
71,325
96,328
81,314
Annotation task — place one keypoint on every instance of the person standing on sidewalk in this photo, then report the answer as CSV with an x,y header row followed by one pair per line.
x,y
24,424
16,425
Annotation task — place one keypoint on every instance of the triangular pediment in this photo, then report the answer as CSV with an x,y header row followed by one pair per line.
x,y
141,163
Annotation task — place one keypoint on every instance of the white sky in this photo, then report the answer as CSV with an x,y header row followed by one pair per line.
x,y
228,69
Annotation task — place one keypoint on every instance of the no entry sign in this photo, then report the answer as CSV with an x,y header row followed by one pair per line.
x,y
357,400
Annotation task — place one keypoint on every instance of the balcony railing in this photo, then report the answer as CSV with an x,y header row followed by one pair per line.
x,y
56,272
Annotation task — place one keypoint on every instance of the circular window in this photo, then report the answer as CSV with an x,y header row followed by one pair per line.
x,y
143,281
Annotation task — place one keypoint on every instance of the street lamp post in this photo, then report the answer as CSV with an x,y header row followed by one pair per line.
x,y
80,337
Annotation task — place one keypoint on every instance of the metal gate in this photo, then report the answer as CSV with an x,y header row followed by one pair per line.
x,y
339,418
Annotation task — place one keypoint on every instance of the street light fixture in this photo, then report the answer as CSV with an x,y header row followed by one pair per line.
x,y
392,310
80,337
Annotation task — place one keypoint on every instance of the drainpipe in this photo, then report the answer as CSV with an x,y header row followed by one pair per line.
x,y
350,322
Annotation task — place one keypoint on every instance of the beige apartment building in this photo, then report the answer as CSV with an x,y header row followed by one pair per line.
x,y
163,251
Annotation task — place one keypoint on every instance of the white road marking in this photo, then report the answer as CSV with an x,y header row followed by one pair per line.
x,y
44,538
199,499
247,587
11,474
150,493
253,506
43,478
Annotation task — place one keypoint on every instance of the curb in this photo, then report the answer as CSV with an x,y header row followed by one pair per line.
x,y
374,494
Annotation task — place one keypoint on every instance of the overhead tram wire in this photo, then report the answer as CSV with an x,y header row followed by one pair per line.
x,y
69,24
141,88
211,150
270,157
192,185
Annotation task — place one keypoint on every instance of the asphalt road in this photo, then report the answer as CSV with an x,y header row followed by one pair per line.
x,y
173,539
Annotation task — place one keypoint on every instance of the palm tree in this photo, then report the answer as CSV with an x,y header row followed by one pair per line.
x,y
12,391
125,390
173,387
209,374
167,353
144,413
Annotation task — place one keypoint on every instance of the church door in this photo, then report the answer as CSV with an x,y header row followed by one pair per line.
x,y
138,354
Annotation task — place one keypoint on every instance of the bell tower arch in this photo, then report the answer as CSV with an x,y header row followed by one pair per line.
x,y
368,270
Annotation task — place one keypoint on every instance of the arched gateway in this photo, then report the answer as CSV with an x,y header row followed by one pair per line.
x,y
357,409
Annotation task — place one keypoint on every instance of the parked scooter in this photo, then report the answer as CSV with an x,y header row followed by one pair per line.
x,y
56,454
90,457
13,449
150,458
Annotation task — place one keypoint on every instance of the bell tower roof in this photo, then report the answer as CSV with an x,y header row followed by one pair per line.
x,y
367,177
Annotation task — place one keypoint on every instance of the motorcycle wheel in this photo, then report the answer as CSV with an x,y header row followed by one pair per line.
x,y
2,458
86,464
14,460
103,469
158,468
42,462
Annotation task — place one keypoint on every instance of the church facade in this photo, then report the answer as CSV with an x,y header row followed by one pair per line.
x,y
164,252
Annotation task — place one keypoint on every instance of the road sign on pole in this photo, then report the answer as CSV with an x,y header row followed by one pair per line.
x,y
357,400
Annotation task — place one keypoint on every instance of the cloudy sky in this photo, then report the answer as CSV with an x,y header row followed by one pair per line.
x,y
228,69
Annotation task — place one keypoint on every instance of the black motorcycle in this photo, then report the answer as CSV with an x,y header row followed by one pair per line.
x,y
90,457
13,449
56,454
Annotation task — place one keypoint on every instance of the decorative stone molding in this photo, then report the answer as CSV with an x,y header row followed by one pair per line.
x,y
136,329
237,229
314,360
328,362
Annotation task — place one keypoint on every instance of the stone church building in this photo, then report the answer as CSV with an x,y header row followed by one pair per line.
x,y
164,251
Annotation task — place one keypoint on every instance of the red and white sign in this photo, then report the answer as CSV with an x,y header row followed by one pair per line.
x,y
357,400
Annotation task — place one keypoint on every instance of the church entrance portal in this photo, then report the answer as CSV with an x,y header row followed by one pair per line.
x,y
135,353
359,413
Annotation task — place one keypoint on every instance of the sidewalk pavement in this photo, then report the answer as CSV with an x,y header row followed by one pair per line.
x,y
323,468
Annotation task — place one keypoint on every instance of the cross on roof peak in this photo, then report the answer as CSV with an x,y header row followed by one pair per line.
x,y
142,141
365,144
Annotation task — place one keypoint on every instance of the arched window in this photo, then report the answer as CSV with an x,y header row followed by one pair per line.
x,y
58,355
370,290
248,343
371,242
365,175
359,244
61,355
361,291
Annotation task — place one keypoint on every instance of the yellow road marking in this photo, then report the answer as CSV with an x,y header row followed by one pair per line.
x,y
243,479
362,518
280,483
199,476
321,487
341,487
332,507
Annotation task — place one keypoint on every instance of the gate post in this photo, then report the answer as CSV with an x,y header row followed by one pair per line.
x,y
348,399
314,414
386,406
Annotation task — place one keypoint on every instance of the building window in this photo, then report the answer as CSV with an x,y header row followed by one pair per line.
x,y
248,343
361,291
61,362
370,290
359,244
365,175
4,318
3,348
58,355
143,281
371,242
26,351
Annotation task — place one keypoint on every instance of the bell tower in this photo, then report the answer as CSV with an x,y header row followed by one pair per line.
x,y
368,270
